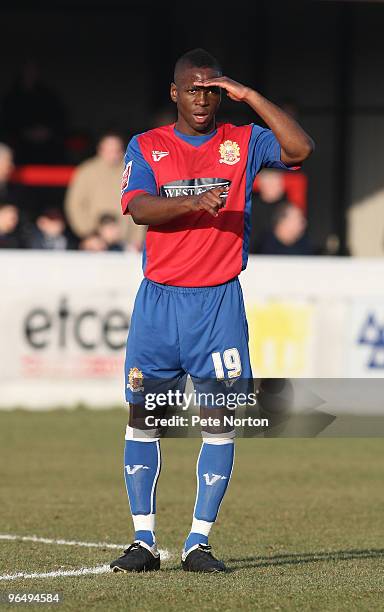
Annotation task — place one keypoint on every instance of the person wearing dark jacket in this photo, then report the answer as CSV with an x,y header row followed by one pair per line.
x,y
10,235
288,234
50,233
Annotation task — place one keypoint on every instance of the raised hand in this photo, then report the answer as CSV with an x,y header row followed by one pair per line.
x,y
236,91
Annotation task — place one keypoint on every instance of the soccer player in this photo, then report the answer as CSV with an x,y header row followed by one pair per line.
x,y
191,183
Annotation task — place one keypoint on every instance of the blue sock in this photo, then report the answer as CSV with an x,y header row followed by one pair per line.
x,y
142,463
213,471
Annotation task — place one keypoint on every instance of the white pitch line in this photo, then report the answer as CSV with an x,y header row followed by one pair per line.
x,y
33,538
83,571
164,553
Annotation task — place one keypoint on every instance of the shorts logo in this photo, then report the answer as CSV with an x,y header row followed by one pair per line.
x,y
229,153
126,175
158,155
135,380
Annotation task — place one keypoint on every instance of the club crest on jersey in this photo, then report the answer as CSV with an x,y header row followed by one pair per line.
x,y
126,175
158,155
229,153
135,380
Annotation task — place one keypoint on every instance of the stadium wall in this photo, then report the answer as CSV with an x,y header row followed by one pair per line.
x,y
64,319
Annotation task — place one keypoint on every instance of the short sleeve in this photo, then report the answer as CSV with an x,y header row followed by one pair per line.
x,y
264,150
138,175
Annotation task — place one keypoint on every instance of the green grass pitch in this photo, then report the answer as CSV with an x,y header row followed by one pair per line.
x,y
301,527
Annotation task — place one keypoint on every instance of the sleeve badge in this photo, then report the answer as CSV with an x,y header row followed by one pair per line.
x,y
126,175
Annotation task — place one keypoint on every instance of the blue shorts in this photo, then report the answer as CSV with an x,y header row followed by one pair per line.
x,y
175,331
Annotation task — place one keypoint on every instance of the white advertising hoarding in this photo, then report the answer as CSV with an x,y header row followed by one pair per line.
x,y
64,319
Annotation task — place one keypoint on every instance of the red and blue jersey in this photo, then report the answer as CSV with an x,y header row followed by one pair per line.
x,y
196,249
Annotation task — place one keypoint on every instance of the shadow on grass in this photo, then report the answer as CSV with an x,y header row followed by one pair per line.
x,y
235,564
299,558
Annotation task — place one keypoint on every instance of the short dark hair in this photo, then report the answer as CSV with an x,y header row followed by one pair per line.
x,y
54,214
106,219
110,134
196,58
281,211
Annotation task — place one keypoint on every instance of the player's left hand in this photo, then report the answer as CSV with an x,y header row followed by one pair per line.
x,y
236,91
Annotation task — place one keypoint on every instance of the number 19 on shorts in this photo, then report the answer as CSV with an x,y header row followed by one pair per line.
x,y
229,361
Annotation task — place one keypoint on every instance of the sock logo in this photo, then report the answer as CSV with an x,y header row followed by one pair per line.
x,y
210,480
135,468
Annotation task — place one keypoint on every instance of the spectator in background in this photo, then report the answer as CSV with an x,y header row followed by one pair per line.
x,y
12,228
34,119
271,192
95,190
109,230
288,235
9,193
365,226
10,235
50,232
93,242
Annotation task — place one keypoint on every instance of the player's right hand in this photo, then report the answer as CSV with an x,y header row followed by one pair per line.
x,y
210,200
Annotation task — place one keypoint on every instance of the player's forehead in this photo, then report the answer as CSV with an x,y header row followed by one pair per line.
x,y
187,75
